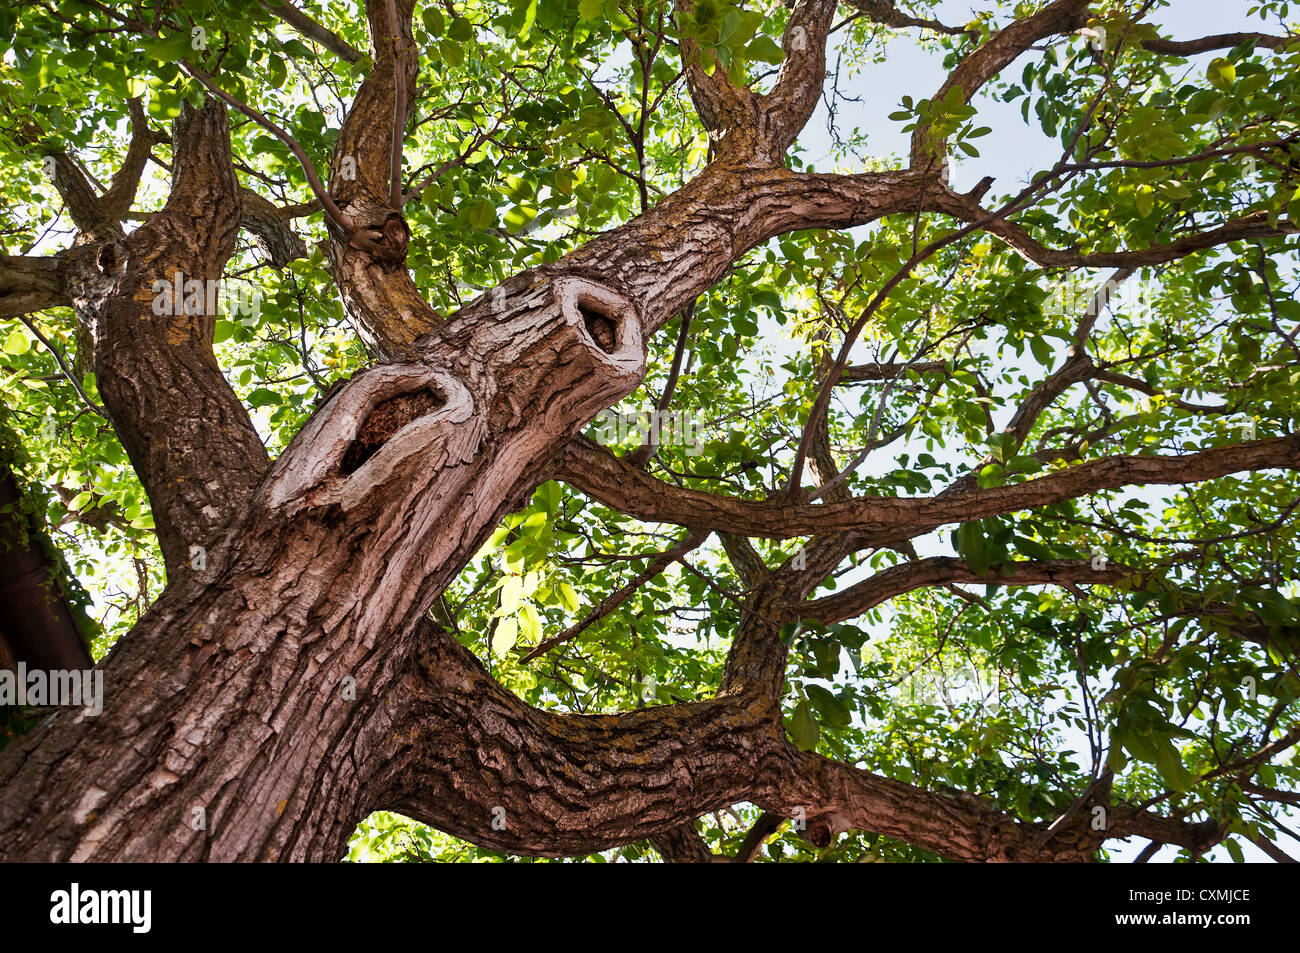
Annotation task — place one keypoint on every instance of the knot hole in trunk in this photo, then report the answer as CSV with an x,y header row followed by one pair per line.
x,y
606,321
599,326
385,419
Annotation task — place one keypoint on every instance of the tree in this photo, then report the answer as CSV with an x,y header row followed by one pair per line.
x,y
387,616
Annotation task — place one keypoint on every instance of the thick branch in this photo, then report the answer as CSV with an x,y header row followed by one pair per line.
x,y
604,477
723,107
890,370
30,283
941,570
886,13
1255,225
37,623
792,100
116,202
377,289
465,752
272,227
188,436
684,845
1219,41
84,205
756,836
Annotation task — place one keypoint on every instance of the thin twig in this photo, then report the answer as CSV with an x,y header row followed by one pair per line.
x,y
63,366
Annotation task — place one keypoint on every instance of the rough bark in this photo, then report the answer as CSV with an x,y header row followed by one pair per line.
x,y
186,433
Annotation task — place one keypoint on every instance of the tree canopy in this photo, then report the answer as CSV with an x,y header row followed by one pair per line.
x,y
870,510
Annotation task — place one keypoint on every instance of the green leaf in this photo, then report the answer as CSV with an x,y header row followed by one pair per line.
x,y
17,342
432,19
263,397
765,50
461,30
452,52
276,71
530,623
512,589
519,216
505,636
1116,760
730,23
1023,463
832,710
1145,199
1221,73
1170,765
804,729
482,214
826,652
972,546
1032,549
530,14
590,9
168,49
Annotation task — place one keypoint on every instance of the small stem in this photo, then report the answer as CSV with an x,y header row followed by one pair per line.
x,y
67,371
328,205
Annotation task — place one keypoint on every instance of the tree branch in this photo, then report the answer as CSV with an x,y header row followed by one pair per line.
x,y
1001,49
462,752
309,28
602,476
116,202
271,226
790,104
1218,41
886,13
1255,225
941,570
620,595
764,827
32,283
684,845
